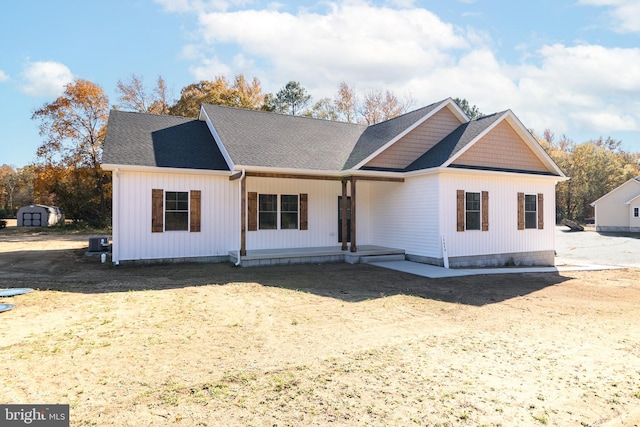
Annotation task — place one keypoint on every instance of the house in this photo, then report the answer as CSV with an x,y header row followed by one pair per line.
x,y
253,187
619,209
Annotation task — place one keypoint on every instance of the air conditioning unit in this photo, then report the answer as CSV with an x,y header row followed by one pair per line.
x,y
98,244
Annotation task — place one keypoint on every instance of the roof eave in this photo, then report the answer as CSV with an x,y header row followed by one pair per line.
x,y
113,167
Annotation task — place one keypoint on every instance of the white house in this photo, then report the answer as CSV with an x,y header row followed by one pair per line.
x,y
255,188
619,209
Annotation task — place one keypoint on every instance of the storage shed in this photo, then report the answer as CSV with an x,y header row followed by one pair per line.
x,y
40,216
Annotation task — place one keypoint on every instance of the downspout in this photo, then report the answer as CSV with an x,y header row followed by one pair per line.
x,y
115,224
239,261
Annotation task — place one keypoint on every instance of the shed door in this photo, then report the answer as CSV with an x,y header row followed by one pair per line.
x,y
340,219
32,219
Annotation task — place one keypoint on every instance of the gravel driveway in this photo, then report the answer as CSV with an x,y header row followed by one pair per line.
x,y
618,249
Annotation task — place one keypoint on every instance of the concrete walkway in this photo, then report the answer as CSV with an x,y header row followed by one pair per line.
x,y
578,251
435,272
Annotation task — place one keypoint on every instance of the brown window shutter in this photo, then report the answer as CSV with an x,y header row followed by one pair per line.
x,y
485,211
460,210
304,225
540,211
520,211
157,211
252,211
194,211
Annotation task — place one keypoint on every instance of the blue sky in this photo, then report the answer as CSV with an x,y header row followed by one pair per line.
x,y
572,66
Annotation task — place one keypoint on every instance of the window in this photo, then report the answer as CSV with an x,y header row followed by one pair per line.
x,y
472,211
176,212
530,211
288,212
273,211
268,212
636,212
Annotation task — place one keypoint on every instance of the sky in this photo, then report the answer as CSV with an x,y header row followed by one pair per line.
x,y
571,66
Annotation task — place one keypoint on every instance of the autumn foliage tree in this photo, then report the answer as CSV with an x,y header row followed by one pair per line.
x,y
69,172
220,91
594,167
135,96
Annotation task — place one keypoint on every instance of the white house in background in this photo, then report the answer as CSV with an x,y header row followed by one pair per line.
x,y
619,209
269,188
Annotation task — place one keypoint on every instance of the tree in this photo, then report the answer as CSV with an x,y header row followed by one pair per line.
x,y
346,103
471,111
292,99
323,109
379,106
74,127
594,167
239,94
134,96
8,182
248,95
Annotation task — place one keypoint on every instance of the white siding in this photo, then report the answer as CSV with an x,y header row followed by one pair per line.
x,y
322,213
611,210
503,235
405,215
415,214
133,239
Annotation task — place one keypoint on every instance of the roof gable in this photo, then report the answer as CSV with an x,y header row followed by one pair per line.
x,y
495,142
153,140
380,137
453,143
630,188
501,148
419,140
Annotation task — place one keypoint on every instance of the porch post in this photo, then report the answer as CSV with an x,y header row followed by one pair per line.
x,y
343,221
243,216
354,247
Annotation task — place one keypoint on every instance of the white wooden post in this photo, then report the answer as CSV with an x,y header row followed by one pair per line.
x,y
445,256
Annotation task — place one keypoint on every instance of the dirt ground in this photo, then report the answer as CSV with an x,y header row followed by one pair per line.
x,y
314,345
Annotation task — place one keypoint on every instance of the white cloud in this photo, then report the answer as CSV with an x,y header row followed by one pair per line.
x,y
625,14
3,76
45,78
374,45
585,88
181,6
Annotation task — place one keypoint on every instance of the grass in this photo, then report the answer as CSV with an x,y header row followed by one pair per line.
x,y
79,227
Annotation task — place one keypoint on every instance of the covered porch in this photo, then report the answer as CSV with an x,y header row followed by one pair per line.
x,y
317,255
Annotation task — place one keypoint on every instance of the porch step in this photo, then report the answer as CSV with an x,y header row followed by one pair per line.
x,y
381,258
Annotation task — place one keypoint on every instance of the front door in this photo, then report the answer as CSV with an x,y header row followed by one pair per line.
x,y
340,219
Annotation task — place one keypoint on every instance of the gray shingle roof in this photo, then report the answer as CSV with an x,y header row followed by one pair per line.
x,y
161,141
257,138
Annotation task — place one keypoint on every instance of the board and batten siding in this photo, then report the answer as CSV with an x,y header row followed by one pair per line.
x,y
133,236
503,236
405,215
322,218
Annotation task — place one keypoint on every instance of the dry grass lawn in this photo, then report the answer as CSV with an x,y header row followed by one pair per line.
x,y
315,345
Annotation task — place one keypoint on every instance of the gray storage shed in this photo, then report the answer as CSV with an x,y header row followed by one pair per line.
x,y
40,216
